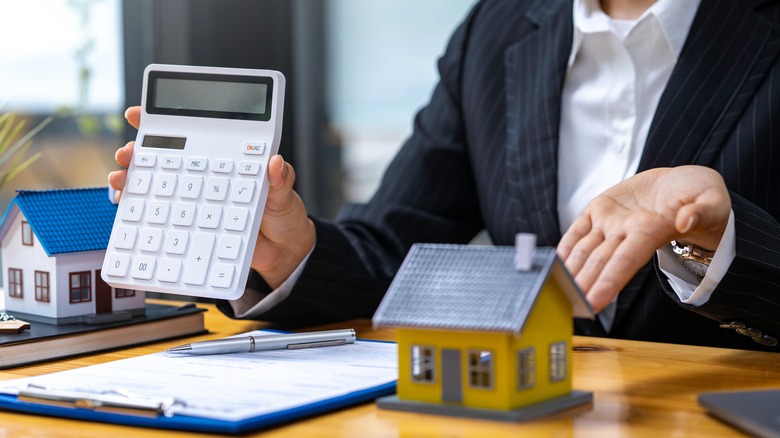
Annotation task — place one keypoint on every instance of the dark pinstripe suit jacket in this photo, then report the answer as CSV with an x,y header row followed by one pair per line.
x,y
484,155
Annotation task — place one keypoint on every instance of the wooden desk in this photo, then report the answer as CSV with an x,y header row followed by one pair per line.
x,y
640,389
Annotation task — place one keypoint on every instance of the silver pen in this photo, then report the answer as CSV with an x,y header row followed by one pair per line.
x,y
248,344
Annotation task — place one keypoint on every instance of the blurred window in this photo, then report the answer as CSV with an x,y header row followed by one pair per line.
x,y
64,57
61,53
381,69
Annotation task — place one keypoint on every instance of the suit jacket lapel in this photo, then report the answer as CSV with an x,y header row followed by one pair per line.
x,y
535,71
720,66
536,67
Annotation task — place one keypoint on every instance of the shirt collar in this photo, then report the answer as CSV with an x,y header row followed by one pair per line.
x,y
674,16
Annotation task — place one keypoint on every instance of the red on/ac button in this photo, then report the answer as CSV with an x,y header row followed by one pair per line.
x,y
254,148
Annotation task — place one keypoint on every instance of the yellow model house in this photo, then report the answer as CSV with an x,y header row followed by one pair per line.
x,y
478,337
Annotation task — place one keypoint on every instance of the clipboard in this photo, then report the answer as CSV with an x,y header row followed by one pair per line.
x,y
42,395
183,422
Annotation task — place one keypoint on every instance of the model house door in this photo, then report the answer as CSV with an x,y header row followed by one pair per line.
x,y
102,294
451,378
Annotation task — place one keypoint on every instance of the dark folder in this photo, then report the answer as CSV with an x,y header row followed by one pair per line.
x,y
755,412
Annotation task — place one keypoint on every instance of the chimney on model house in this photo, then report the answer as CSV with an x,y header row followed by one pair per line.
x,y
525,244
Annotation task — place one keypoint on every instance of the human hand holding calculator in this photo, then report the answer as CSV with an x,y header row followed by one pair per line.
x,y
196,185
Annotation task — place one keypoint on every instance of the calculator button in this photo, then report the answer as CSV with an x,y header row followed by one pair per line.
x,y
124,238
164,184
249,168
243,191
190,187
118,265
143,268
151,239
139,183
216,189
145,160
236,219
222,275
228,247
209,216
198,259
196,164
132,209
176,242
169,271
254,148
170,162
223,166
183,214
158,212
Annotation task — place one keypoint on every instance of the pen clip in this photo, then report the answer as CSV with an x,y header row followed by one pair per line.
x,y
317,344
114,401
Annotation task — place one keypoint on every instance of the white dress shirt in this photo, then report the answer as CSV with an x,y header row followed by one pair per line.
x,y
616,74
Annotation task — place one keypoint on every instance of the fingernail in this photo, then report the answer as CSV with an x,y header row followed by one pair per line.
x,y
127,111
691,223
284,168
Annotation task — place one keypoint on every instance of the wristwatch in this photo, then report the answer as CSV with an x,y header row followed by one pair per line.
x,y
693,258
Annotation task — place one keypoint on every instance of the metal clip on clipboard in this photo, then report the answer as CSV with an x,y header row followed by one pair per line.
x,y
113,401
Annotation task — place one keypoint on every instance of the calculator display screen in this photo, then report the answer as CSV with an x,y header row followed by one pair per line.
x,y
209,95
161,142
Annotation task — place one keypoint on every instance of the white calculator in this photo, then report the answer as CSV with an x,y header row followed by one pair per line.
x,y
196,188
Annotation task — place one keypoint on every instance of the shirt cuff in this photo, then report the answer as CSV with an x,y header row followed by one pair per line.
x,y
253,304
690,288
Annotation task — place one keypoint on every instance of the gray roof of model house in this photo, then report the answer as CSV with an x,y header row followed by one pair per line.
x,y
469,287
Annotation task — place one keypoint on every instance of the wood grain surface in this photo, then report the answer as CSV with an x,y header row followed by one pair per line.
x,y
640,389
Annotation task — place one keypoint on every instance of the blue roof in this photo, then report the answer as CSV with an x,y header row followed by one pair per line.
x,y
66,220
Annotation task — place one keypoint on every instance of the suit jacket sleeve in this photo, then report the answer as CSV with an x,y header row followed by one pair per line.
x,y
747,295
426,195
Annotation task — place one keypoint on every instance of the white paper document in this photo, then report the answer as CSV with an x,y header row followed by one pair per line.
x,y
233,387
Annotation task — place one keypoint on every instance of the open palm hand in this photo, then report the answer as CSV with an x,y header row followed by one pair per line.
x,y
621,228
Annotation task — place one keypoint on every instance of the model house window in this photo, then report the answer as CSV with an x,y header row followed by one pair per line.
x,y
42,286
124,293
423,364
558,353
480,369
15,283
526,368
27,235
80,287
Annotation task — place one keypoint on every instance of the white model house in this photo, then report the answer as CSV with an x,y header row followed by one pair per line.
x,y
53,244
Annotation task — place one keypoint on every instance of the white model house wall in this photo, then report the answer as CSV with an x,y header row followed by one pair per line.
x,y
29,259
34,258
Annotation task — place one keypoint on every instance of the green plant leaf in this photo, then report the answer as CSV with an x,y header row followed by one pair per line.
x,y
16,151
10,131
10,152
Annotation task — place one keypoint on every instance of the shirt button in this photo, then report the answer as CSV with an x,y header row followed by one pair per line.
x,y
619,146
